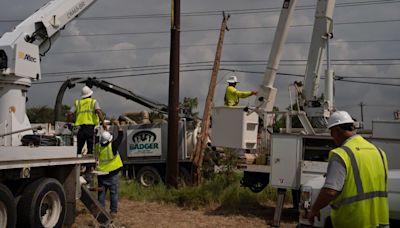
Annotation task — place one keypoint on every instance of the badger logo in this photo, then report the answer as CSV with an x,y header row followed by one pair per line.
x,y
144,137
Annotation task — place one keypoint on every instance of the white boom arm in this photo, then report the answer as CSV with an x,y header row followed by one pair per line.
x,y
20,52
322,32
266,94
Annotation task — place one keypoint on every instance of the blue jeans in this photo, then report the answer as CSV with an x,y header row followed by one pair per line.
x,y
109,182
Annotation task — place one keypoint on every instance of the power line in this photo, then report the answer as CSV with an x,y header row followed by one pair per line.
x,y
185,64
218,12
370,83
369,105
340,78
216,29
211,45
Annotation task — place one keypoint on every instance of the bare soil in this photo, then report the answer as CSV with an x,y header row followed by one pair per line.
x,y
146,214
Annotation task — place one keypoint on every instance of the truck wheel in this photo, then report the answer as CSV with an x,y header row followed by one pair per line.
x,y
8,208
42,204
148,176
184,176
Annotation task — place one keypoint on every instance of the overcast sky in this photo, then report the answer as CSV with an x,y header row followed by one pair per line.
x,y
89,44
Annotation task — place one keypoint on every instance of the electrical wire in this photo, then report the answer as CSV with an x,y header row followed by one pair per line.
x,y
182,65
218,12
212,45
225,62
341,79
217,29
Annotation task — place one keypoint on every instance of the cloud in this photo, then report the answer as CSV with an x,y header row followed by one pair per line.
x,y
195,83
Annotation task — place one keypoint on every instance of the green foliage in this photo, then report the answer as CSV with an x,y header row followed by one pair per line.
x,y
222,190
188,105
44,114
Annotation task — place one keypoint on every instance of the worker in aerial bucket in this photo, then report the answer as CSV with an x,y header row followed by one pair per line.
x,y
356,180
232,95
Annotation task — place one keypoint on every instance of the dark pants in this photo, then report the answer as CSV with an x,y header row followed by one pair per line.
x,y
109,182
85,134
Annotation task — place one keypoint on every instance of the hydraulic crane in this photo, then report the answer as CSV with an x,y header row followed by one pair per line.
x,y
109,87
39,186
20,53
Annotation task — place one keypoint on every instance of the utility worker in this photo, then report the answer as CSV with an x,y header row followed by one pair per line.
x,y
109,161
232,95
87,115
356,179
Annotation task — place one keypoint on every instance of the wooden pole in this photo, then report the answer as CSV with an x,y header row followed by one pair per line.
x,y
173,99
197,158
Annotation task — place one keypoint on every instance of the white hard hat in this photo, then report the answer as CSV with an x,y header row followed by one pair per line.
x,y
105,137
86,92
338,118
232,79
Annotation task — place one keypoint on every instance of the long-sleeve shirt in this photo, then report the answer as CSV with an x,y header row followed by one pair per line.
x,y
115,144
232,96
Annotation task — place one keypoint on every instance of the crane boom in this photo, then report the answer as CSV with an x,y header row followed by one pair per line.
x,y
20,52
322,31
28,40
109,87
266,93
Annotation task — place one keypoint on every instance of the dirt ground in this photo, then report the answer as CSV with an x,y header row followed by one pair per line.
x,y
145,214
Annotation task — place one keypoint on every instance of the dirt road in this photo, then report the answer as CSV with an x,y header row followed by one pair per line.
x,y
145,214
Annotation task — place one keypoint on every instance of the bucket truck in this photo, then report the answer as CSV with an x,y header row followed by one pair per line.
x,y
291,158
39,185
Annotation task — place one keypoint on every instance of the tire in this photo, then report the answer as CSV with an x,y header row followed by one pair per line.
x,y
148,176
8,208
184,177
42,204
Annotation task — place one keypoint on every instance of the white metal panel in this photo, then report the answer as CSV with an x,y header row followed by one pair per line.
x,y
311,170
20,153
258,168
392,150
394,194
46,162
386,129
27,60
285,162
233,128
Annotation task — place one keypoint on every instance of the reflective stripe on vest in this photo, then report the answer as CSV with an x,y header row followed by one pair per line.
x,y
361,195
107,160
86,113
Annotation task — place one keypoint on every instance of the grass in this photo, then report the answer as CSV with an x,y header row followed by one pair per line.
x,y
220,190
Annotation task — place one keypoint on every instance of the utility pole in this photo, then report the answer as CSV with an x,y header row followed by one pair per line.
x,y
362,111
198,154
173,99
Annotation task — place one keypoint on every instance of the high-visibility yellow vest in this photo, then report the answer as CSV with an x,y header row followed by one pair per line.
x,y
85,112
363,201
232,96
107,161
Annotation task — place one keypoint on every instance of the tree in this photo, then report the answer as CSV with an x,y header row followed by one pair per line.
x,y
188,105
44,114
